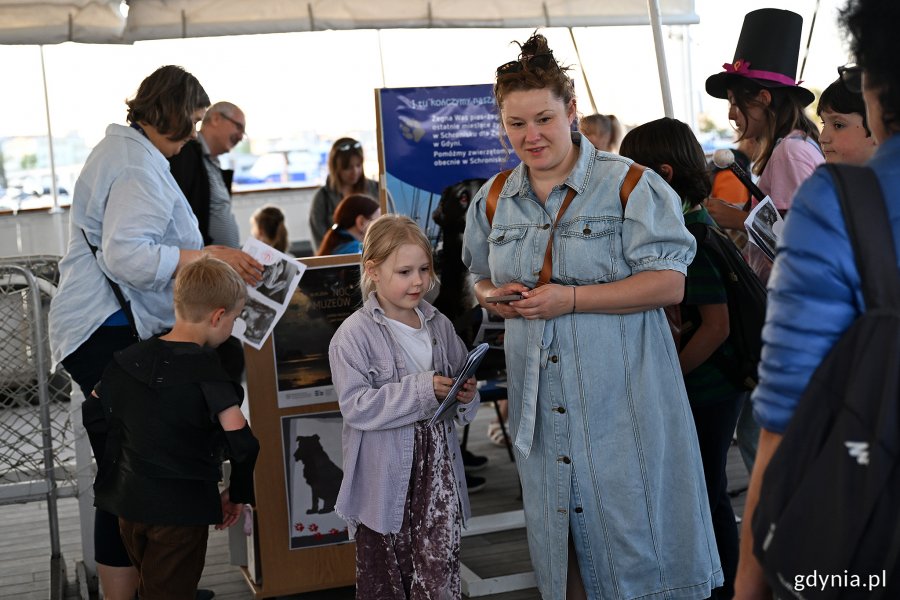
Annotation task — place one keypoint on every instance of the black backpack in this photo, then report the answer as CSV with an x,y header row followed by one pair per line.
x,y
746,305
830,500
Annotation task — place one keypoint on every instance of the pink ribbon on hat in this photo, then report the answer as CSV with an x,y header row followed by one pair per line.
x,y
742,67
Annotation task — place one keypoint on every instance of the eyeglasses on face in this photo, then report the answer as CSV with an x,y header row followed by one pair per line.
x,y
523,63
238,124
851,77
349,146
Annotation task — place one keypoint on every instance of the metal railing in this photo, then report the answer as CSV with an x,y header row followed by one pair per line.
x,y
37,438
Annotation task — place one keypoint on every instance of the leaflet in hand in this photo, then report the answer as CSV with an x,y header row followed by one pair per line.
x,y
267,301
447,409
764,226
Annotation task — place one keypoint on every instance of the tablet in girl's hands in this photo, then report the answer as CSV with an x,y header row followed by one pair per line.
x,y
446,409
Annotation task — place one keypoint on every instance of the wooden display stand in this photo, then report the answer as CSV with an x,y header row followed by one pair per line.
x,y
282,570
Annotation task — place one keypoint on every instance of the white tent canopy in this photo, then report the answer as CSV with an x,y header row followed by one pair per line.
x,y
105,21
116,21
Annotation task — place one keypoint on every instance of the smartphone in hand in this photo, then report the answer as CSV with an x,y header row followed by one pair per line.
x,y
506,298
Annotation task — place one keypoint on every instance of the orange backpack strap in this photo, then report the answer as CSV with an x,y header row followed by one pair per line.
x,y
635,171
493,196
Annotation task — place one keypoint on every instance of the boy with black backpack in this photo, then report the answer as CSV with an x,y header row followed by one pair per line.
x,y
718,347
826,485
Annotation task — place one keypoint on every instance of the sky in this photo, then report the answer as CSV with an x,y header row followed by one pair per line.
x,y
323,82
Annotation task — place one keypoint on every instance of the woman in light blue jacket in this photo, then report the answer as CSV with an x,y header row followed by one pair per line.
x,y
131,225
612,482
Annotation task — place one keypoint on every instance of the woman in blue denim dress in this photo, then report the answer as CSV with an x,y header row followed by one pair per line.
x,y
612,482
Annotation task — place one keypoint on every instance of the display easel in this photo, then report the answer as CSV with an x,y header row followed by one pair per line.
x,y
275,568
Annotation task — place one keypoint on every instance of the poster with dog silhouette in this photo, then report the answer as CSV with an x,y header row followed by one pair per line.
x,y
312,468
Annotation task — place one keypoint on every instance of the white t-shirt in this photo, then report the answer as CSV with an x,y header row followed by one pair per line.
x,y
415,344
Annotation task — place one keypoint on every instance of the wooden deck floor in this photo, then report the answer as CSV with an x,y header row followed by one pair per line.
x,y
25,561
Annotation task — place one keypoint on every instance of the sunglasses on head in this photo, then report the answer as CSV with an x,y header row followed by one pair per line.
x,y
349,146
523,63
851,77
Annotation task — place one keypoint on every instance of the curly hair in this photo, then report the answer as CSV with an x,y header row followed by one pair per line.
x,y
781,116
669,141
537,69
167,100
871,25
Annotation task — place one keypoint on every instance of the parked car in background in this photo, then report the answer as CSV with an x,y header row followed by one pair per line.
x,y
288,167
17,198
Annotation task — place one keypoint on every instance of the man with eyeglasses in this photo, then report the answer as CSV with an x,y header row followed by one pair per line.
x,y
207,187
205,184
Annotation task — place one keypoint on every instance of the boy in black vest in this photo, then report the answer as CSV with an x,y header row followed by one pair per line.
x,y
174,416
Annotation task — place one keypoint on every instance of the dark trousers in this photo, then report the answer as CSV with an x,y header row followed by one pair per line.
x,y
169,558
86,366
715,425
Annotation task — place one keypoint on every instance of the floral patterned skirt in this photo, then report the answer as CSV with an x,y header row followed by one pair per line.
x,y
421,561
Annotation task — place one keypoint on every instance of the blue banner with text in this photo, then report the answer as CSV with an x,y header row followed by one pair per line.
x,y
436,137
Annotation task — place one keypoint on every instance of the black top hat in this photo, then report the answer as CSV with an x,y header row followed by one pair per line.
x,y
766,54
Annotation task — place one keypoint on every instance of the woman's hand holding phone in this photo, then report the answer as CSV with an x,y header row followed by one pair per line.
x,y
502,300
506,298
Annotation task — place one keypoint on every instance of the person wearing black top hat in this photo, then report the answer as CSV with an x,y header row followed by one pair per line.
x,y
767,105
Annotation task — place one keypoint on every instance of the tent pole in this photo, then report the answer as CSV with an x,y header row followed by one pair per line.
x,y
381,58
653,8
812,27
587,84
53,184
686,43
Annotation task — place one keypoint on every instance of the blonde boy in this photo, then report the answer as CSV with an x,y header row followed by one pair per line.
x,y
174,416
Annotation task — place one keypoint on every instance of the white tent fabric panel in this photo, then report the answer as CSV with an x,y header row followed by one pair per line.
x,y
54,22
155,19
100,21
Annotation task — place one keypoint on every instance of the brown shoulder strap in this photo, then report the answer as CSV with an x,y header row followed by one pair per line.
x,y
547,267
493,196
635,171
